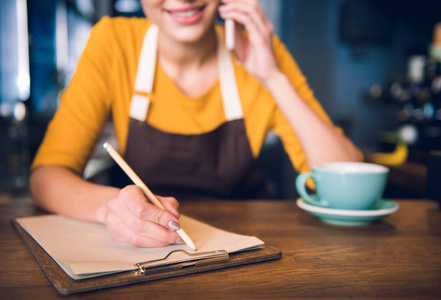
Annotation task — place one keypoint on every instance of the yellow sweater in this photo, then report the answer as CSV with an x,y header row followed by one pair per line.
x,y
103,84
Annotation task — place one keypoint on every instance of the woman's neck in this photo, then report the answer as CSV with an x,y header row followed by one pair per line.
x,y
192,66
178,53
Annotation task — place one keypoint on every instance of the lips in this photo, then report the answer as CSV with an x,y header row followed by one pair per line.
x,y
186,15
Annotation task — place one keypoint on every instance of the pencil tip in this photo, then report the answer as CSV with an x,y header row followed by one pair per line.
x,y
192,245
186,239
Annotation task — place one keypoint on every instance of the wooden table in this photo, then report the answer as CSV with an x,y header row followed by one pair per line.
x,y
398,257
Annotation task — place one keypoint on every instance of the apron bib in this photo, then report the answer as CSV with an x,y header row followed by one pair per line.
x,y
214,164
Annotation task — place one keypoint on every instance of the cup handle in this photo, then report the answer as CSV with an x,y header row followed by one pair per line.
x,y
300,185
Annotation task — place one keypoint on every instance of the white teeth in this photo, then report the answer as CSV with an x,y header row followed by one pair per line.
x,y
185,14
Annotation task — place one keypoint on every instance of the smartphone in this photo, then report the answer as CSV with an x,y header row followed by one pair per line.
x,y
229,34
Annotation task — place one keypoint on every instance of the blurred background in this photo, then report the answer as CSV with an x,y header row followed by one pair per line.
x,y
374,65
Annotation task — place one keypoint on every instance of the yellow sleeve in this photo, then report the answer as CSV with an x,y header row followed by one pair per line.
x,y
279,123
84,106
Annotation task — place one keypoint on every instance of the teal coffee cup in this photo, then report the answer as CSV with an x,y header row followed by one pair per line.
x,y
344,185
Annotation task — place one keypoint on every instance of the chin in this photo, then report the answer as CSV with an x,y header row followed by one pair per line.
x,y
189,35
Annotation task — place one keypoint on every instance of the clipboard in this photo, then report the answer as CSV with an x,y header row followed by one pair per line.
x,y
146,271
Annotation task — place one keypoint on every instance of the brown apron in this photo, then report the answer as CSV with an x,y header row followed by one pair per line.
x,y
216,164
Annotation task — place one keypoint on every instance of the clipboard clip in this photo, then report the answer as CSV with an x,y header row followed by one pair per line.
x,y
190,260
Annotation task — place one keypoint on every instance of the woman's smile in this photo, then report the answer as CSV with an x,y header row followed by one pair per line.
x,y
187,15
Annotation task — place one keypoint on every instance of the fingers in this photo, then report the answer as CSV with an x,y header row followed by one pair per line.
x,y
250,14
133,220
256,51
139,237
137,204
170,204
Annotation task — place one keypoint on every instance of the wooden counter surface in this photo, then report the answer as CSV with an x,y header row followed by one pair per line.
x,y
398,257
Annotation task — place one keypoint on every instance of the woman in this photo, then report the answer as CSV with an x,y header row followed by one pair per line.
x,y
198,115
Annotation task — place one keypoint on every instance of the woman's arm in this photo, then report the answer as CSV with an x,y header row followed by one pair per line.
x,y
126,212
59,190
319,139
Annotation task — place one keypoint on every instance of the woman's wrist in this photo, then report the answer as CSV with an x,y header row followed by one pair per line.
x,y
102,210
275,82
101,213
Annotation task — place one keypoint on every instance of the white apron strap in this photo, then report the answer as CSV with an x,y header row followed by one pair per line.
x,y
146,72
145,75
227,77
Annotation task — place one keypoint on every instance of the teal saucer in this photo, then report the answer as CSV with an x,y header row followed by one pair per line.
x,y
345,217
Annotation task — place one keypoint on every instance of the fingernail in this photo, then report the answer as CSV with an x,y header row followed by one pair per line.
x,y
180,241
173,225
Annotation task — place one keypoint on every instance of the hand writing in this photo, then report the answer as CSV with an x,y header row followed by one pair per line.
x,y
132,219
